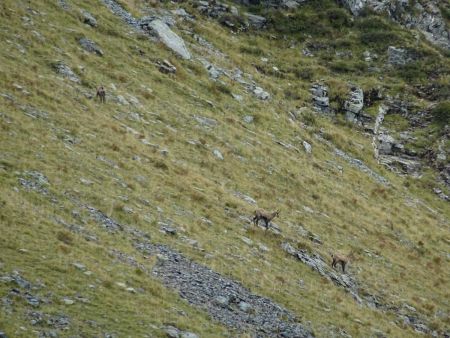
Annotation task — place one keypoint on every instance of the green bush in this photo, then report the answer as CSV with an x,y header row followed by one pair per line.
x,y
339,18
441,113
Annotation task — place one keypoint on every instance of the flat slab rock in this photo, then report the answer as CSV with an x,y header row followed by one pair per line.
x,y
224,299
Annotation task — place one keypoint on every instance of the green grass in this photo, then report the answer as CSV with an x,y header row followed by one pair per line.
x,y
351,211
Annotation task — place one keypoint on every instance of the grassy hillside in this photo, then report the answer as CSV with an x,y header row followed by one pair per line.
x,y
149,163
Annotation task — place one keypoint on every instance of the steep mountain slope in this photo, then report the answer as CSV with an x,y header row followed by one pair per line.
x,y
132,218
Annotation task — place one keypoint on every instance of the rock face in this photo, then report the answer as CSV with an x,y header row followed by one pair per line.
x,y
398,56
422,15
354,104
320,98
391,152
62,69
225,300
256,21
89,19
172,41
166,67
90,46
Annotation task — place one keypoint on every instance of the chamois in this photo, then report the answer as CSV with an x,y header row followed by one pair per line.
x,y
265,216
341,259
101,94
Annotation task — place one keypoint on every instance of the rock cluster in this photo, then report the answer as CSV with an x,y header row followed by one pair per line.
x,y
424,16
62,69
224,299
90,46
320,98
354,104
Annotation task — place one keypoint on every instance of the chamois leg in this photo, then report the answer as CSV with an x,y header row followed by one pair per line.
x,y
343,266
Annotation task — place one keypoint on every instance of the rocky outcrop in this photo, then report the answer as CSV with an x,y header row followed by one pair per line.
x,y
354,104
90,46
320,98
422,15
397,56
256,21
390,152
65,71
172,41
88,19
224,299
156,27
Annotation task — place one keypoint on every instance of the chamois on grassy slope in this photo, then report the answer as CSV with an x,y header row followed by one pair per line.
x,y
267,217
341,259
101,94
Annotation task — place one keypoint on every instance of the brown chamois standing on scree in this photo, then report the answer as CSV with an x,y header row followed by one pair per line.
x,y
101,94
267,217
341,259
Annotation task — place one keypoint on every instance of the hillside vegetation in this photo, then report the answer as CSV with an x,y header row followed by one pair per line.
x,y
184,160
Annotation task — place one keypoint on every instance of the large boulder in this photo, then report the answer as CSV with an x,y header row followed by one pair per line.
x,y
320,98
172,41
398,56
90,46
354,104
256,21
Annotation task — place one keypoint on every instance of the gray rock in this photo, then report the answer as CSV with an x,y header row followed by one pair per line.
x,y
320,98
307,147
169,230
289,4
244,197
166,67
245,307
218,154
237,97
206,121
181,12
172,41
256,21
248,119
79,266
354,104
247,240
202,287
260,93
288,248
122,100
361,166
172,332
3,335
397,56
34,180
62,69
186,334
90,46
222,301
88,18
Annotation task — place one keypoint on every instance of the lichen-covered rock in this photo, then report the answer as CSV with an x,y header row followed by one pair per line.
x,y
65,71
354,104
320,98
172,41
90,46
89,19
398,56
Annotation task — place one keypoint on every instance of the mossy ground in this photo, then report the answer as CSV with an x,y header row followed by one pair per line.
x,y
404,225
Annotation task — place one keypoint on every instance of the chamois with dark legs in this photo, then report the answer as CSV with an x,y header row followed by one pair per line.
x,y
101,94
341,259
267,217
